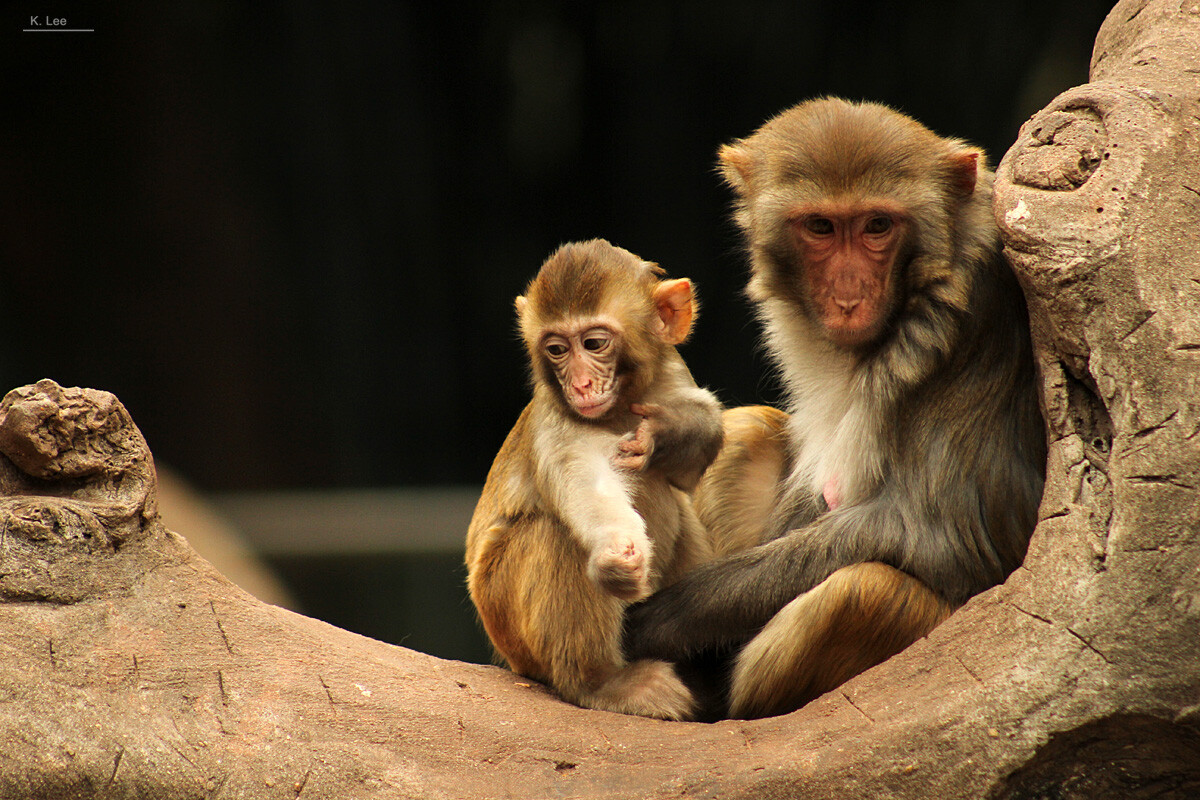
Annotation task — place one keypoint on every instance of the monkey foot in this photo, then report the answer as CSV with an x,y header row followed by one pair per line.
x,y
76,482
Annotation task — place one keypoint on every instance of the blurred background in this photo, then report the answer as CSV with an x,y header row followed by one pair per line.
x,y
287,235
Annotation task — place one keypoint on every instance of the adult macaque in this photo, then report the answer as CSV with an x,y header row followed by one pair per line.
x,y
586,508
908,475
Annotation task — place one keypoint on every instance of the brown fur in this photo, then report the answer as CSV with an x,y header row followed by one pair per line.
x,y
580,515
739,495
848,623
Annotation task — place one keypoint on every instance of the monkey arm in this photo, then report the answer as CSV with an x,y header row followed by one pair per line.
x,y
681,431
687,437
575,476
727,601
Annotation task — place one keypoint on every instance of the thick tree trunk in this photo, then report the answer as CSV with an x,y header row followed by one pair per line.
x,y
131,668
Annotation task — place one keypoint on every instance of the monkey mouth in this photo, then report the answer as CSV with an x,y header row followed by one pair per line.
x,y
851,324
852,333
593,407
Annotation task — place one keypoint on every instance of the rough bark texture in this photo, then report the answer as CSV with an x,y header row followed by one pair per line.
x,y
131,668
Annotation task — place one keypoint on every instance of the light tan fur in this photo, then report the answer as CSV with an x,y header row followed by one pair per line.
x,y
580,515
740,491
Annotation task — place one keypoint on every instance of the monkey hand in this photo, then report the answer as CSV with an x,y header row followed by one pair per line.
x,y
678,440
621,567
716,605
635,449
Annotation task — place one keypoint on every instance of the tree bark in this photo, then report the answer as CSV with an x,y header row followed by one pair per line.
x,y
132,668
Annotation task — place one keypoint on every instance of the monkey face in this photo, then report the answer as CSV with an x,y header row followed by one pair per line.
x,y
584,359
854,213
846,257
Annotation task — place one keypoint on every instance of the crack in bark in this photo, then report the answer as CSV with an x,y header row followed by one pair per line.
x,y
968,670
1170,479
1155,428
1067,628
328,693
176,748
1137,325
1039,618
116,766
1089,645
1157,548
220,627
856,708
299,787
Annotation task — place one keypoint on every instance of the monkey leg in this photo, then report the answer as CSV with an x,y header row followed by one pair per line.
x,y
738,492
646,688
858,617
550,622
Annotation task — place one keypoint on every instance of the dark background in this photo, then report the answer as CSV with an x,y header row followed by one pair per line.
x,y
287,234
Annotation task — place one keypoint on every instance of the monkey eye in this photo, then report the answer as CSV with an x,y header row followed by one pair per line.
x,y
595,343
878,225
819,226
556,349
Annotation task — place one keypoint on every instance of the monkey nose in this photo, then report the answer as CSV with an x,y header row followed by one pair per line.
x,y
847,305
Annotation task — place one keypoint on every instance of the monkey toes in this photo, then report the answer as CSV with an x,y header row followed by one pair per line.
x,y
654,690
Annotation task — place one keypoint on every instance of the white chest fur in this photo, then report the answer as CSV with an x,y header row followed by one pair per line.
x,y
834,426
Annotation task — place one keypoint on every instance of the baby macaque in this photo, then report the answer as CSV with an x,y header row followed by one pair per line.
x,y
586,506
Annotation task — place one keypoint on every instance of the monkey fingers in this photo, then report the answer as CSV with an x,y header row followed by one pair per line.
x,y
635,449
646,410
646,688
622,570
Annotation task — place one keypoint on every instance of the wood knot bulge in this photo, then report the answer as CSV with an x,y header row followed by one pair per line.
x,y
1061,151
54,433
76,481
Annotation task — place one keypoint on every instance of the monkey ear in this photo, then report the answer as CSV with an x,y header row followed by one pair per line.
x,y
676,307
737,165
520,304
964,167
